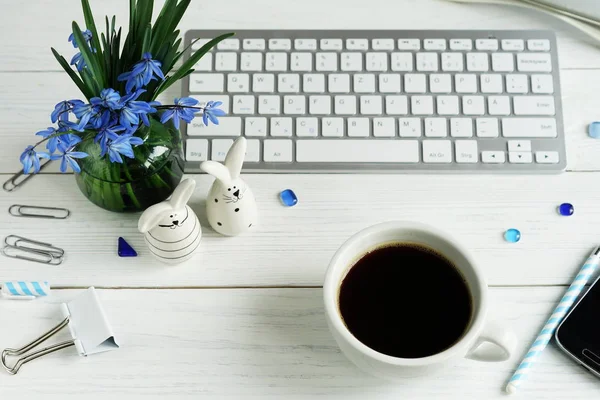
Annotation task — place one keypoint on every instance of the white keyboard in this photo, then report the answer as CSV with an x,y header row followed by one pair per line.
x,y
375,101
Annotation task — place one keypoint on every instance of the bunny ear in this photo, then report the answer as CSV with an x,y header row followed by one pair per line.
x,y
235,157
153,215
216,169
182,194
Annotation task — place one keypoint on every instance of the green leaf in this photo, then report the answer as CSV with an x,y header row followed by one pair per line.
x,y
178,14
91,25
162,24
147,39
131,14
87,92
90,60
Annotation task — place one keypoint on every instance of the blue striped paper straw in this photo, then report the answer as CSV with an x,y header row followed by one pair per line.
x,y
25,289
542,340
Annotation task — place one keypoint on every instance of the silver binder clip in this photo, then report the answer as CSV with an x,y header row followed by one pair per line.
x,y
22,210
12,184
87,324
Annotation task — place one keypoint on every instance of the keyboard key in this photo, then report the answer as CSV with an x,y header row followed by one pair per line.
x,y
280,44
313,83
477,62
421,105
461,127
301,62
542,84
447,105
415,83
519,157
465,83
383,44
206,83
277,150
409,127
305,44
228,126
357,44
529,127
269,105
486,44
256,126
389,83
332,127
498,105
294,105
319,105
252,150
427,62
473,105
237,83
487,127
220,147
263,83
461,44
199,43
402,62
503,62
288,83
226,61
513,45
533,105
281,127
327,62
519,145
434,44
364,83
229,44
307,127
436,127
197,150
358,127
205,63
371,105
452,62
351,62
332,44
534,62
491,83
396,105
276,62
356,151
493,157
538,45
384,127
409,44
437,151
517,83
377,62
440,83
339,83
253,44
345,105
243,104
465,151
546,157
203,99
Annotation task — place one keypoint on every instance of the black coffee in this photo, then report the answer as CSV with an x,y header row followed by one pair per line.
x,y
406,301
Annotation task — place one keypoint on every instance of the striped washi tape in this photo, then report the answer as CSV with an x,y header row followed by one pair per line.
x,y
23,288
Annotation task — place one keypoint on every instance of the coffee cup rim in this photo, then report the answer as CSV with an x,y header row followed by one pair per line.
x,y
331,290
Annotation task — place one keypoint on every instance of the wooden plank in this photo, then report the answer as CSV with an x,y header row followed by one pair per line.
x,y
261,344
293,246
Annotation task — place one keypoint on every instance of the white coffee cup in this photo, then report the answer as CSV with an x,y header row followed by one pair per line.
x,y
500,343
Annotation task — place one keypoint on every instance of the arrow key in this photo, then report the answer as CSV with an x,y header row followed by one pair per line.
x,y
546,157
519,157
519,145
493,157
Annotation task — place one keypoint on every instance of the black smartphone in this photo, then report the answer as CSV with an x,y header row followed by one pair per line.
x,y
579,333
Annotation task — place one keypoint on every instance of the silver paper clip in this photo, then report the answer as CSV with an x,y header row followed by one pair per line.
x,y
22,210
12,184
45,253
87,324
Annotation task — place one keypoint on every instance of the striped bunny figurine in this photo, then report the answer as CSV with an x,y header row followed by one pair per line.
x,y
171,228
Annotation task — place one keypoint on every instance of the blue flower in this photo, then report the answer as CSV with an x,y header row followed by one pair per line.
x,y
67,148
90,117
53,142
78,61
142,73
132,110
121,145
31,158
86,34
109,98
212,112
61,110
106,134
180,111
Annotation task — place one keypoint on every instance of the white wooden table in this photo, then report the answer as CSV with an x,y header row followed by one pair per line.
x,y
244,319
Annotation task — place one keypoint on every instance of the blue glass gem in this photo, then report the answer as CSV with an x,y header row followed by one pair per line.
x,y
288,197
566,209
594,130
512,235
125,250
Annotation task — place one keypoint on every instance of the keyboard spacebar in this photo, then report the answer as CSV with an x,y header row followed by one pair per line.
x,y
365,151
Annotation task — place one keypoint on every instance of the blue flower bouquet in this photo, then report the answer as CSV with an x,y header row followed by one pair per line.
x,y
123,145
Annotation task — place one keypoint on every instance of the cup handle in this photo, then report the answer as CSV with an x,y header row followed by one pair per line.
x,y
494,344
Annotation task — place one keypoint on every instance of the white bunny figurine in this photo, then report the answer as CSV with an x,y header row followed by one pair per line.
x,y
171,228
230,205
